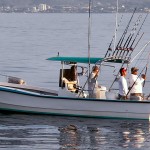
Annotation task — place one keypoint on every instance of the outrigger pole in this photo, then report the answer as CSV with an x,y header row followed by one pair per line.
x,y
89,46
89,36
116,25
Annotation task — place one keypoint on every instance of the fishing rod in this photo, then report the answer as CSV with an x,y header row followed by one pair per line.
x,y
130,47
116,77
10,77
4,75
129,58
146,68
88,78
132,32
128,40
145,74
109,48
139,30
128,55
124,33
126,29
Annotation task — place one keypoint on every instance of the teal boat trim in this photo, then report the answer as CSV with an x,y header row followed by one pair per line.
x,y
23,92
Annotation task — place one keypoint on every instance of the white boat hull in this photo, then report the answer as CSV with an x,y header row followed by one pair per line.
x,y
29,102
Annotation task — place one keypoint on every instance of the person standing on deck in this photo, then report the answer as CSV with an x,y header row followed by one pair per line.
x,y
136,84
123,88
93,83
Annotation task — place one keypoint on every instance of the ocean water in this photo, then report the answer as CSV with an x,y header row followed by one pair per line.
x,y
31,132
26,41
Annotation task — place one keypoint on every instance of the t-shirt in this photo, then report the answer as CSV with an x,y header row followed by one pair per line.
x,y
92,83
123,88
137,87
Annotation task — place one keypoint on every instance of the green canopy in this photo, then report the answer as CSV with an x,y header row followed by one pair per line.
x,y
93,60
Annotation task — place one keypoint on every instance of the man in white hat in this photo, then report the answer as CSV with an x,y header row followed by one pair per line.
x,y
135,84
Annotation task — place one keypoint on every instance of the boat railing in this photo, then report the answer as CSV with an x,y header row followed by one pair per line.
x,y
113,60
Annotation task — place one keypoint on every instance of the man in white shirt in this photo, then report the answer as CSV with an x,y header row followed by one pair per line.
x,y
123,88
136,84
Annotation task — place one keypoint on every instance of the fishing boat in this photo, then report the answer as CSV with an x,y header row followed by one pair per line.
x,y
16,96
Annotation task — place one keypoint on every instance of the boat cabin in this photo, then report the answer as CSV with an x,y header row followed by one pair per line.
x,y
71,87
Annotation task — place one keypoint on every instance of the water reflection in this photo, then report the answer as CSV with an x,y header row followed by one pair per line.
x,y
25,132
96,137
133,135
69,137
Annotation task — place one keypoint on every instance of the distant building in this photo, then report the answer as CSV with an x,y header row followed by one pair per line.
x,y
147,10
42,7
48,7
34,9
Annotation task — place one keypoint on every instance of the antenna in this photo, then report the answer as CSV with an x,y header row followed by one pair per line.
x,y
116,26
89,35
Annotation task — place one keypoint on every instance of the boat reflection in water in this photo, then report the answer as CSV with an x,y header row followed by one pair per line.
x,y
133,136
69,137
106,134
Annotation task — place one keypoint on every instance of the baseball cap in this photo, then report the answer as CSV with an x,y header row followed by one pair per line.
x,y
134,69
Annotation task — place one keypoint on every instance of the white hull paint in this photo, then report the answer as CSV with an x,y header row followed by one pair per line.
x,y
29,102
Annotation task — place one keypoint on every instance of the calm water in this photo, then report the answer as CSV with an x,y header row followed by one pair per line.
x,y
26,41
27,132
